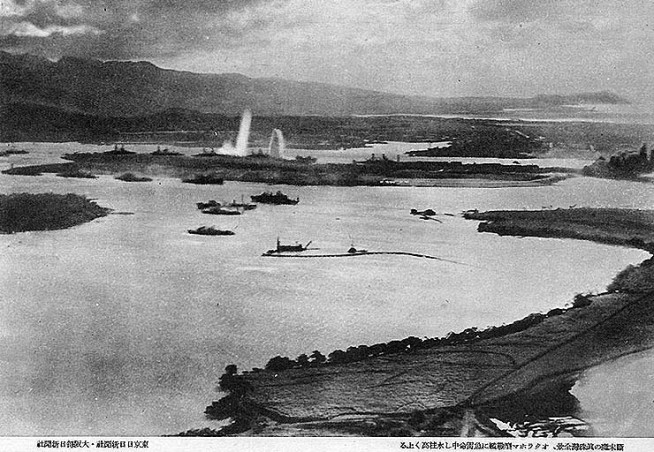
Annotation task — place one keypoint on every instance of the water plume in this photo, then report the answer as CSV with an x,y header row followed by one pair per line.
x,y
276,150
244,133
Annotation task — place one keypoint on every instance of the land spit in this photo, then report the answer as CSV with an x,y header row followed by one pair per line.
x,y
41,212
457,384
265,169
626,227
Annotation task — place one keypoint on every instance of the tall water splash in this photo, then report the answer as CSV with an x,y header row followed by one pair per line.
x,y
244,133
276,151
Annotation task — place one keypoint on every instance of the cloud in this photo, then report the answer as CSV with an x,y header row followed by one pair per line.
x,y
514,11
121,29
431,47
28,29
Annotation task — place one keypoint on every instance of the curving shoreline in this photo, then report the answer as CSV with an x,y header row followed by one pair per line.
x,y
456,384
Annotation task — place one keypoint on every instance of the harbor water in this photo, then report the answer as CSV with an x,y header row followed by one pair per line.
x,y
122,326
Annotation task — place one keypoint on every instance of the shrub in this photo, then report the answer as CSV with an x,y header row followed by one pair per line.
x,y
634,279
581,300
280,363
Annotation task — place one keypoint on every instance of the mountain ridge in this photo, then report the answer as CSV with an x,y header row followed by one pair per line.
x,y
126,88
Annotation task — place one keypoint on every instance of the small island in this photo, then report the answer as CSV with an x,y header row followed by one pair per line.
x,y
46,211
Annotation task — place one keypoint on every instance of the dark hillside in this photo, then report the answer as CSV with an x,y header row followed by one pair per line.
x,y
116,88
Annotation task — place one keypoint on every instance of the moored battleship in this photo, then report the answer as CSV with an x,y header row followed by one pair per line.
x,y
210,230
274,198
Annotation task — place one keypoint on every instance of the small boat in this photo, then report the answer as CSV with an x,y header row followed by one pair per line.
x,y
208,204
354,250
288,248
204,230
424,213
274,198
218,210
206,153
241,205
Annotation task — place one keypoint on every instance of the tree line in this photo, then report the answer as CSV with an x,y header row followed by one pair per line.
x,y
412,344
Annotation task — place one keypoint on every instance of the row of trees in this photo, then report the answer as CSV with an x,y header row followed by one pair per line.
x,y
282,362
412,344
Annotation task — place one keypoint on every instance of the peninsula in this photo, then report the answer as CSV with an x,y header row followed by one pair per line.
x,y
626,227
473,382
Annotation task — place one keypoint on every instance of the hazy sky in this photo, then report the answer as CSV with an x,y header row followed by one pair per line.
x,y
430,47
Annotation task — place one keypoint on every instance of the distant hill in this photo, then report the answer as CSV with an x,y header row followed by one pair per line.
x,y
602,97
125,89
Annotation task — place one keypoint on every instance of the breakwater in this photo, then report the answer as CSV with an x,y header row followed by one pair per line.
x,y
362,253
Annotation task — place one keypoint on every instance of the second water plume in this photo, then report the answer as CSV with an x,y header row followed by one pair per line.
x,y
277,146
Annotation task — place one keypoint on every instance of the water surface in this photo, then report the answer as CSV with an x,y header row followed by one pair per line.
x,y
123,325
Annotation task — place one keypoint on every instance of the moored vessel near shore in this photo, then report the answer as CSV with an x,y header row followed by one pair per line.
x,y
204,179
13,151
232,205
119,151
207,205
426,212
241,205
165,151
308,159
210,230
218,210
274,198
288,248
